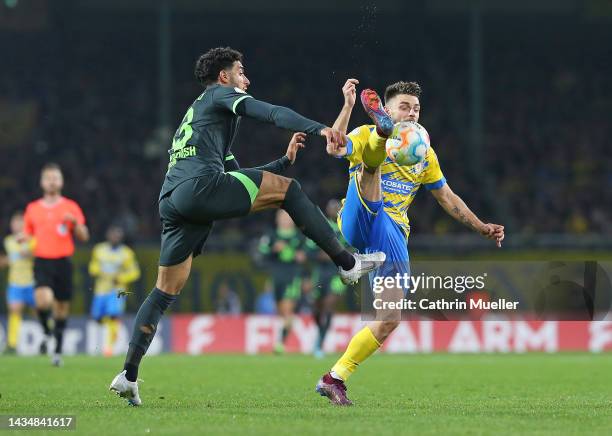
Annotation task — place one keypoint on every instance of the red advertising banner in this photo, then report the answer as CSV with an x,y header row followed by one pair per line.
x,y
252,334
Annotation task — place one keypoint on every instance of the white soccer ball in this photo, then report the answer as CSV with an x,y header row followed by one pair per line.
x,y
408,144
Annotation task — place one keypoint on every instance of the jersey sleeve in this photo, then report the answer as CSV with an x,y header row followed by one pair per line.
x,y
28,221
78,213
228,98
357,140
94,264
130,268
432,176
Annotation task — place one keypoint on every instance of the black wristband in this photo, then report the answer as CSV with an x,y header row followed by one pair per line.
x,y
284,161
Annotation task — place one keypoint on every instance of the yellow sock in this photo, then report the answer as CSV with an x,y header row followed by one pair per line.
x,y
374,152
112,331
359,349
14,323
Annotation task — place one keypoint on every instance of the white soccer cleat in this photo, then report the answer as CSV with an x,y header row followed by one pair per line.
x,y
364,263
126,389
56,360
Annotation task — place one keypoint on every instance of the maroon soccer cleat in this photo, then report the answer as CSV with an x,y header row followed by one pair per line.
x,y
333,389
374,108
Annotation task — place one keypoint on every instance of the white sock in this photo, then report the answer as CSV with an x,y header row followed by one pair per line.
x,y
335,376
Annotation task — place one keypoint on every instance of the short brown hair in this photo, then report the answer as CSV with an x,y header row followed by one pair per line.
x,y
50,166
410,88
17,214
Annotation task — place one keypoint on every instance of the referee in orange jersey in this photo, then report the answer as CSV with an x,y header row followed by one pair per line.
x,y
52,221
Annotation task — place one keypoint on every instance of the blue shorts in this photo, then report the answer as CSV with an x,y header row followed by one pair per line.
x,y
20,294
367,227
104,305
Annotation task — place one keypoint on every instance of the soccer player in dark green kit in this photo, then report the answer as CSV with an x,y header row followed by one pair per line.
x,y
197,191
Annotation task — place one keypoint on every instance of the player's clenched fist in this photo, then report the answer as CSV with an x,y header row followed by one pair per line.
x,y
494,231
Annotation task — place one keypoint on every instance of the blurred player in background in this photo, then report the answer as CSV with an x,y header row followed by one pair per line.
x,y
283,251
373,216
52,221
114,267
20,289
327,286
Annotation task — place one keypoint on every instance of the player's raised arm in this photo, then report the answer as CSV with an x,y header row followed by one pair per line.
x,y
286,118
456,207
349,91
276,166
221,71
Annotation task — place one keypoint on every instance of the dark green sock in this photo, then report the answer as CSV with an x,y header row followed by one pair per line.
x,y
311,221
58,332
145,326
324,323
44,315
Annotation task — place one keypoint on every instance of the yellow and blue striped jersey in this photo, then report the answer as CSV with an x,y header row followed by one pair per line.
x,y
399,183
113,267
21,265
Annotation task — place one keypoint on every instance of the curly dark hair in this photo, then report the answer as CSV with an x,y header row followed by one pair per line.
x,y
410,88
209,65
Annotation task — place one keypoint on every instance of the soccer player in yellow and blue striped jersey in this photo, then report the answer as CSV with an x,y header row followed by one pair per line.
x,y
20,289
374,214
114,267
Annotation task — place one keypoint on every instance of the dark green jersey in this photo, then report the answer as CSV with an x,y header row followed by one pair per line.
x,y
206,134
292,242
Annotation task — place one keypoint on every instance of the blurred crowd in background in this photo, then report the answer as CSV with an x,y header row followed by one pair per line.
x,y
88,100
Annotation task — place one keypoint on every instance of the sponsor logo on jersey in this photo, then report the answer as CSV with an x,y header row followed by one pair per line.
x,y
397,186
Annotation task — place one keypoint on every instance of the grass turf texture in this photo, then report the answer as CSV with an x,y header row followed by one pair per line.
x,y
421,394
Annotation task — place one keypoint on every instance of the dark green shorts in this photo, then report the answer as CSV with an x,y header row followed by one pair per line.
x,y
327,281
287,282
187,212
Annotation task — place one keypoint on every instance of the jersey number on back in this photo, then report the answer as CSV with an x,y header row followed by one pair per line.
x,y
184,132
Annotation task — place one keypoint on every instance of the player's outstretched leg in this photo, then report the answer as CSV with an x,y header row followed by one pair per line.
x,y
374,153
170,281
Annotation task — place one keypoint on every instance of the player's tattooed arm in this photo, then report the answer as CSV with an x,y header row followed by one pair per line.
x,y
456,207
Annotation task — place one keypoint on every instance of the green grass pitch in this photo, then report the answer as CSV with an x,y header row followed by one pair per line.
x,y
422,394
